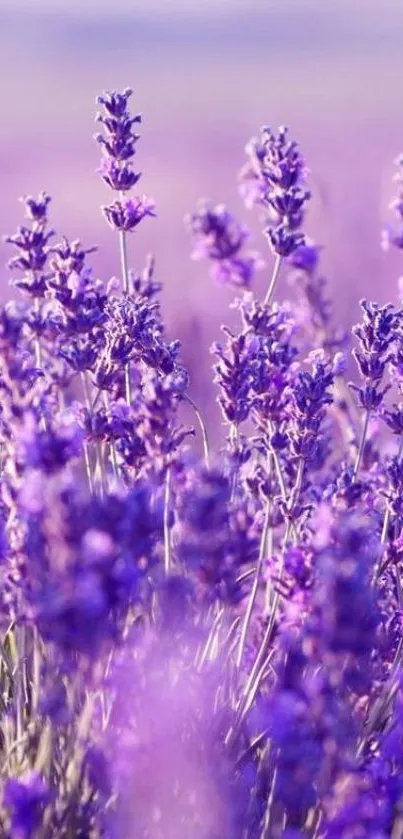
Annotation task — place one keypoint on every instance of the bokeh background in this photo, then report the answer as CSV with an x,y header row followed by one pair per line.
x,y
207,74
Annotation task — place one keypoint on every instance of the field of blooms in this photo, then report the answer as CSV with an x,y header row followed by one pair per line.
x,y
198,639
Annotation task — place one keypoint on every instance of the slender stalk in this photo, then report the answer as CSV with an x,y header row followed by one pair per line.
x,y
203,428
210,639
294,498
274,277
362,444
112,449
36,670
233,435
167,535
259,664
123,261
37,342
126,290
87,457
385,527
269,552
255,586
88,470
251,683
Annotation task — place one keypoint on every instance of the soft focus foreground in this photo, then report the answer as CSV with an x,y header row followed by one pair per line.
x,y
199,640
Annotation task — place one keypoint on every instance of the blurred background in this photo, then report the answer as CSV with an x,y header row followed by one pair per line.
x,y
206,75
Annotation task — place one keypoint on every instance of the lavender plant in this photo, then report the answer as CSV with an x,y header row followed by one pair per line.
x,y
197,645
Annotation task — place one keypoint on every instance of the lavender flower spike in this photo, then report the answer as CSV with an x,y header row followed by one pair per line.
x,y
274,178
220,237
118,142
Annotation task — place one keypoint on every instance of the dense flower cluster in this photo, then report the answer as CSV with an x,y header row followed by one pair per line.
x,y
198,645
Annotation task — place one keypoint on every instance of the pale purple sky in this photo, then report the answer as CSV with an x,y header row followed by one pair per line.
x,y
378,9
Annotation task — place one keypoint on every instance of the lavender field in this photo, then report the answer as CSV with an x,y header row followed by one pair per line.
x,y
207,77
201,420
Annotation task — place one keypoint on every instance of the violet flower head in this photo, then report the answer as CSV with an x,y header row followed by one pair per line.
x,y
32,247
86,561
309,396
36,209
274,178
48,450
346,610
67,258
234,374
126,214
118,142
26,800
306,257
393,236
376,335
220,237
207,543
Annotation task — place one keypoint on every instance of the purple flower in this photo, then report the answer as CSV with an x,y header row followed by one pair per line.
x,y
115,103
48,450
299,753
306,257
36,208
216,232
208,539
119,140
26,799
394,418
32,247
376,335
309,394
118,143
234,373
274,178
127,214
346,614
218,236
68,258
86,561
117,177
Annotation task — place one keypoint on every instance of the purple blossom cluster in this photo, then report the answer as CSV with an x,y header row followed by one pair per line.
x,y
196,641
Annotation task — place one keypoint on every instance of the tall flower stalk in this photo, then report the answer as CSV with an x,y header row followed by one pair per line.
x,y
274,178
118,142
